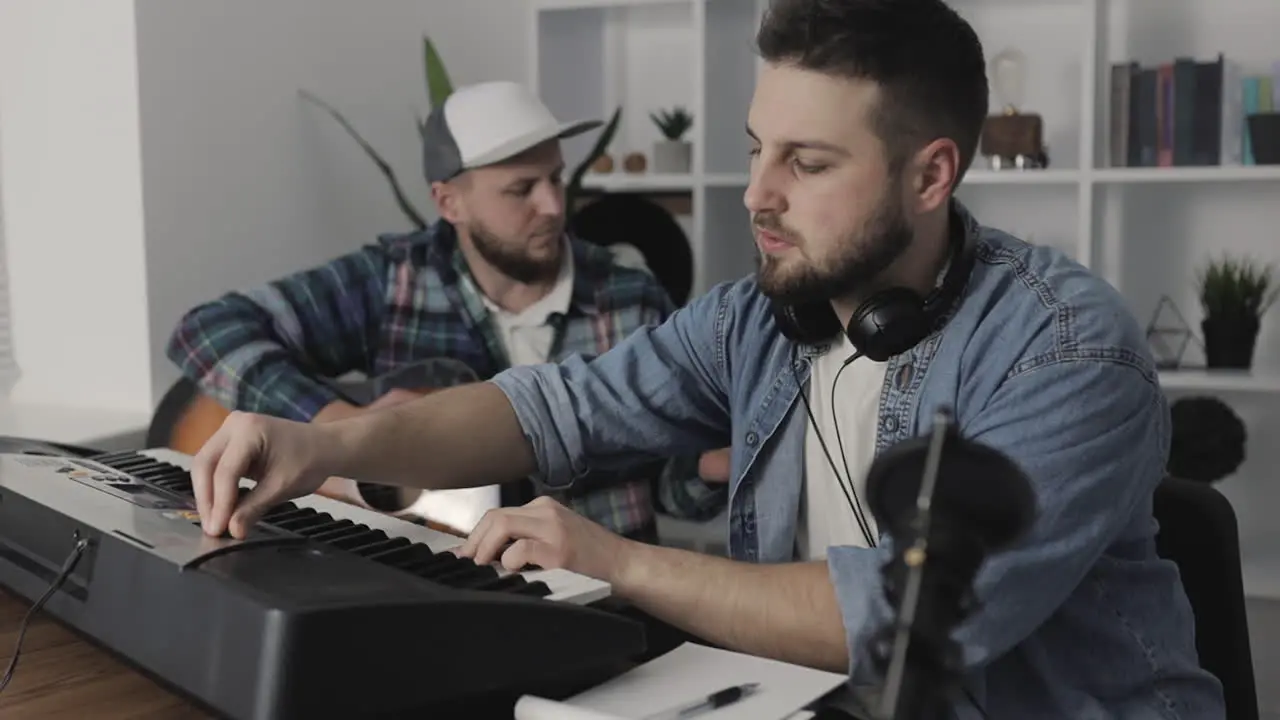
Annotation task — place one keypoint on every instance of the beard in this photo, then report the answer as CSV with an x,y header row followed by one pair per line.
x,y
514,260
856,260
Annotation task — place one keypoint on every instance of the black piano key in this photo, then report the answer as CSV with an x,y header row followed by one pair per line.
x,y
466,572
108,458
179,478
299,524
284,517
150,474
276,511
341,532
122,461
535,589
297,512
403,557
336,523
133,465
495,583
439,562
470,578
140,463
389,545
315,531
178,486
364,538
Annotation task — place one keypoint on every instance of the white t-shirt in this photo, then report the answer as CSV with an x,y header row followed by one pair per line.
x,y
826,517
526,337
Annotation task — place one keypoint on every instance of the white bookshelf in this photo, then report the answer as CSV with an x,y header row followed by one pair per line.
x,y
1146,230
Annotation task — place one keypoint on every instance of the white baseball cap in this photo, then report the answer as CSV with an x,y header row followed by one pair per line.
x,y
486,123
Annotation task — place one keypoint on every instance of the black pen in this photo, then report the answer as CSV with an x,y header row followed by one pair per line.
x,y
714,701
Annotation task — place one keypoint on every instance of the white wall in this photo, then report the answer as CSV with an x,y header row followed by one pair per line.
x,y
156,153
72,198
244,180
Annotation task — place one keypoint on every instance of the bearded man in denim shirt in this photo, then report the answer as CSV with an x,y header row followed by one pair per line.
x,y
865,116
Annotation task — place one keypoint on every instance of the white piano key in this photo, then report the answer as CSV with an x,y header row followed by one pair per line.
x,y
565,586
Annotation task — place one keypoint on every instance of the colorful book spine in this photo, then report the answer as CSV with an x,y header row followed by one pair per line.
x,y
1186,112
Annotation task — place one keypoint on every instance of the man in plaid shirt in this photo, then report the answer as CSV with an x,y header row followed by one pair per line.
x,y
495,282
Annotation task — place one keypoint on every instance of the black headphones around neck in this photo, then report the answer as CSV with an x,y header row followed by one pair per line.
x,y
892,320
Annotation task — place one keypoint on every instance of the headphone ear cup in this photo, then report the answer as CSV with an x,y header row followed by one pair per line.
x,y
806,323
888,323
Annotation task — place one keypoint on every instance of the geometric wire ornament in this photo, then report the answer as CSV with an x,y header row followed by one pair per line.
x,y
1168,336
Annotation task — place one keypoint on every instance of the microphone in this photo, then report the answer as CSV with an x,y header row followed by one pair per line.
x,y
948,503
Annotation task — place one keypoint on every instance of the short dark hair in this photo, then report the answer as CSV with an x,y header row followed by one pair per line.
x,y
926,59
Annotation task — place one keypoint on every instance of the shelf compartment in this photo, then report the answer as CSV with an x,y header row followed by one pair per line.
x,y
638,182
729,62
1207,380
1209,174
593,57
1048,176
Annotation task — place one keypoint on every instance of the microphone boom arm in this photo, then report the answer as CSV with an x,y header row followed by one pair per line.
x,y
914,558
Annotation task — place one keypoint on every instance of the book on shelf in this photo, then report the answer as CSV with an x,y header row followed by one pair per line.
x,y
1186,112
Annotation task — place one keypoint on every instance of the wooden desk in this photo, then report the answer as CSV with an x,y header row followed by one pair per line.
x,y
61,675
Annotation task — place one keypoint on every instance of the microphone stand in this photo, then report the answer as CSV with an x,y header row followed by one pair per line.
x,y
919,667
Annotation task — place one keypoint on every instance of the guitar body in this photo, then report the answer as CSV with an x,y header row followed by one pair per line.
x,y
187,417
198,422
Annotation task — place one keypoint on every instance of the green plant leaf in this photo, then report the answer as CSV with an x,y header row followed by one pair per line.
x,y
1236,287
439,86
384,167
672,123
574,188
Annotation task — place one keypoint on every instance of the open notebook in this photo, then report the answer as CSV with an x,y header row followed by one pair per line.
x,y
685,674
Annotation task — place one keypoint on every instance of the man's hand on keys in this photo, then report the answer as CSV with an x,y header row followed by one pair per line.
x,y
286,459
548,535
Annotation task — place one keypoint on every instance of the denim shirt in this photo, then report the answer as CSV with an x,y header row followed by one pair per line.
x,y
1040,360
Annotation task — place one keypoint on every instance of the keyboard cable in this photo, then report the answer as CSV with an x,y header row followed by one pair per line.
x,y
68,565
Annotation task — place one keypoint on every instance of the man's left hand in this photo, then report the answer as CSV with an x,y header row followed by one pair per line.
x,y
549,535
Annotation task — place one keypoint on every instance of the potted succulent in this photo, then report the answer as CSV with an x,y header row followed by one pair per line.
x,y
1234,294
672,154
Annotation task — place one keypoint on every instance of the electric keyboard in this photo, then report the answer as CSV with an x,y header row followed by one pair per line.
x,y
325,609
560,585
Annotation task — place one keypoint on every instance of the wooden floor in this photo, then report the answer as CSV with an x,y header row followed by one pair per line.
x,y
60,675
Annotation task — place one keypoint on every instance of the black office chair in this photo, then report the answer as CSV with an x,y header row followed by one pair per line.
x,y
1198,532
636,220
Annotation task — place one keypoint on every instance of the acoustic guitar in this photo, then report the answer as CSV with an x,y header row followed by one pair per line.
x,y
187,417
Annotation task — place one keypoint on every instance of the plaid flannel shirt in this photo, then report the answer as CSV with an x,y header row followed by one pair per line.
x,y
274,349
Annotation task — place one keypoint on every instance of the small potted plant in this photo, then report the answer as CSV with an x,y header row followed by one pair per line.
x,y
1234,294
672,154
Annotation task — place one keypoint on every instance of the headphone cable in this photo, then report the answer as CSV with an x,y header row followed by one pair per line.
x,y
835,422
854,505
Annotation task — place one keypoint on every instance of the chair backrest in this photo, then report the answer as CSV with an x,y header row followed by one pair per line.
x,y
1198,532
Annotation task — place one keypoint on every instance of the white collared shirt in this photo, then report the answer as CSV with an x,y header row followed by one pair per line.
x,y
527,335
